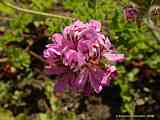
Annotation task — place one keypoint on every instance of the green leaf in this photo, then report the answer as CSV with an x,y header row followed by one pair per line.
x,y
22,116
5,115
6,10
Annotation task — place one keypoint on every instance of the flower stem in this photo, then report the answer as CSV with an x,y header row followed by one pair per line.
x,y
37,57
36,12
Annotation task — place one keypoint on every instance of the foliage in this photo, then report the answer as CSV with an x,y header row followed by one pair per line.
x,y
18,57
41,4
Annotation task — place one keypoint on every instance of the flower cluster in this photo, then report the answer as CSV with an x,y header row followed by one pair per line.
x,y
76,57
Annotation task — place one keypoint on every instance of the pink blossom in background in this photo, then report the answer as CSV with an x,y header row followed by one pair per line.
x,y
130,13
76,54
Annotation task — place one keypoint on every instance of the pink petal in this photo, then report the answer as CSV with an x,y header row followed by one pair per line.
x,y
108,44
110,72
73,57
60,86
83,46
80,59
114,57
53,49
88,34
50,56
95,25
58,38
68,57
81,79
95,83
105,42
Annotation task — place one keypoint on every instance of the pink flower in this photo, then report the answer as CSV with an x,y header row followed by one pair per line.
x,y
76,54
130,13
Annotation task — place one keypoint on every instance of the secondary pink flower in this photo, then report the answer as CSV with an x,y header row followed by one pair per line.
x,y
130,13
76,54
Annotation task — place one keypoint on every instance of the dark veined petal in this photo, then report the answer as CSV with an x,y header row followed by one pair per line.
x,y
88,34
95,81
81,80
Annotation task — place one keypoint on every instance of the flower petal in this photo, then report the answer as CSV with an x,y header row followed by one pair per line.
x,y
94,81
58,38
88,34
60,86
73,57
110,72
95,25
113,57
81,79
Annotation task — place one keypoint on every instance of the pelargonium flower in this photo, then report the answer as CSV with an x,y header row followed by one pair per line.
x,y
76,56
130,13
